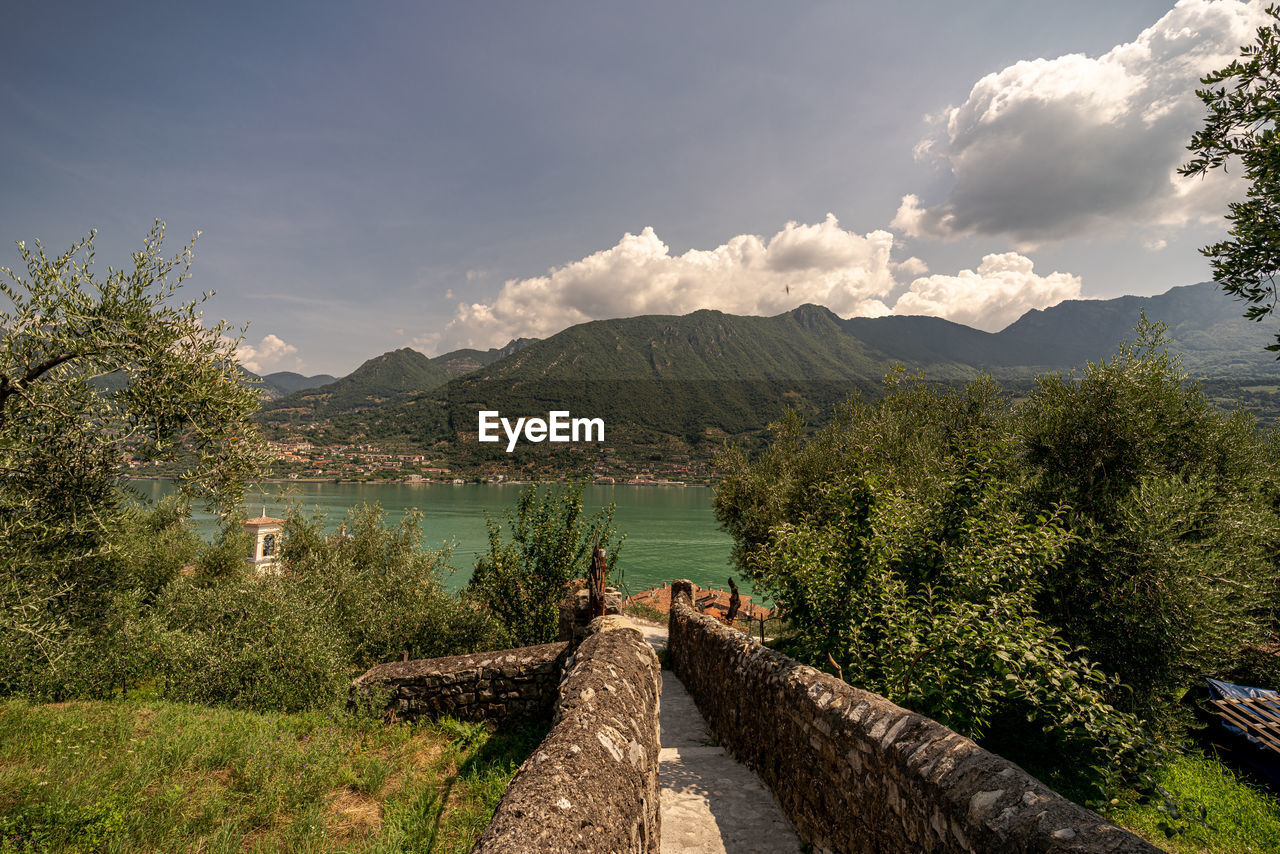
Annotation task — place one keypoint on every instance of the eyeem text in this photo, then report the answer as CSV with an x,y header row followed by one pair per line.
x,y
556,427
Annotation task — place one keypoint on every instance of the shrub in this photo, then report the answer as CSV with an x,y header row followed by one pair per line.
x,y
522,580
921,586
1171,575
91,640
256,643
342,603
384,588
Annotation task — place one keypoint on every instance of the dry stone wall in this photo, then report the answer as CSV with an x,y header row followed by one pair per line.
x,y
856,773
592,785
486,686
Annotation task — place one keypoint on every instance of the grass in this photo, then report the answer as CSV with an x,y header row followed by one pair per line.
x,y
1241,818
645,612
147,775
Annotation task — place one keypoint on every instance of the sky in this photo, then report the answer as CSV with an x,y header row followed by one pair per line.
x,y
369,176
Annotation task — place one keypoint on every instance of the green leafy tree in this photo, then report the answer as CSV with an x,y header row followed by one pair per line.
x,y
385,588
93,370
522,579
1171,575
1243,103
894,541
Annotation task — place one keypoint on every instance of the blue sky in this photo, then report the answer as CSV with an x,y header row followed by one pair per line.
x,y
371,176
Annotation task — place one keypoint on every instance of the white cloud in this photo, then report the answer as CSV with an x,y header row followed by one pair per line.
x,y
1001,290
1051,148
268,355
852,274
820,263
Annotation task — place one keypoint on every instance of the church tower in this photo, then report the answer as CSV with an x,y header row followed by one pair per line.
x,y
265,531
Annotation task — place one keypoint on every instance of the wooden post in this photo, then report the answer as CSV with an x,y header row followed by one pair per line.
x,y
595,583
735,602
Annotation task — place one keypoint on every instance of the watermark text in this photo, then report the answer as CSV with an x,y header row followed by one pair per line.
x,y
558,426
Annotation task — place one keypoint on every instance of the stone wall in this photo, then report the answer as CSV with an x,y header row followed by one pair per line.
x,y
856,773
592,785
575,613
492,686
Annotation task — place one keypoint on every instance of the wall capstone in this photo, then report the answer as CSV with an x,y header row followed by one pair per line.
x,y
592,785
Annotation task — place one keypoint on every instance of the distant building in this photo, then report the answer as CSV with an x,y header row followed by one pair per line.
x,y
706,600
266,532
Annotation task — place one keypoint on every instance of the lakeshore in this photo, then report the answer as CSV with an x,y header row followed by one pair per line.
x,y
671,532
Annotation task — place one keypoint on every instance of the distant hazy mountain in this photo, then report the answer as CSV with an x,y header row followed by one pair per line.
x,y
1205,325
287,382
465,361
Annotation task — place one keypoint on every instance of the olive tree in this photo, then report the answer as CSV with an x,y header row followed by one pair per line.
x,y
1242,102
95,370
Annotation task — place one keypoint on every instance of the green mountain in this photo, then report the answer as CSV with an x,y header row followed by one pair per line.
x,y
1205,326
386,379
696,378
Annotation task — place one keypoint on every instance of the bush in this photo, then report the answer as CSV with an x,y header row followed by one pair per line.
x,y
60,639
343,603
384,588
1171,575
910,569
255,643
521,581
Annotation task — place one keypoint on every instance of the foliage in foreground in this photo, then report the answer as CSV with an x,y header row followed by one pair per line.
x,y
226,635
1172,573
95,369
1240,123
343,603
980,562
523,578
158,776
921,581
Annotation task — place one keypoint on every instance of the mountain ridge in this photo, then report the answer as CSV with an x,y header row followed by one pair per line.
x,y
708,372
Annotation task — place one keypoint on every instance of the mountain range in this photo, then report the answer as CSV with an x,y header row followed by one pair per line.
x,y
710,374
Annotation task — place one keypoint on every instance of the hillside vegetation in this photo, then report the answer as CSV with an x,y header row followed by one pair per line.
x,y
671,388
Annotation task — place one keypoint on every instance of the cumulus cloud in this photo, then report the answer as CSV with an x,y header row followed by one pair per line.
x,y
822,263
1051,148
270,354
1001,290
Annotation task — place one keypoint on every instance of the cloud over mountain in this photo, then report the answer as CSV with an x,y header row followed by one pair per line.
x,y
1002,289
820,263
852,274
270,354
1052,148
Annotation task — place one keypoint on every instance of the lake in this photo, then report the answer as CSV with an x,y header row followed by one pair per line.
x,y
671,531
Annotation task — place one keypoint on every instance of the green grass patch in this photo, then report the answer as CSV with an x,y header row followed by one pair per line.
x,y
645,612
1241,818
148,775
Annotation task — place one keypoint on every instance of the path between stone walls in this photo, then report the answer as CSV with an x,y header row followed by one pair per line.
x,y
711,803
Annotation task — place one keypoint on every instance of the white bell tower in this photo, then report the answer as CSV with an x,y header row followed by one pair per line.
x,y
265,531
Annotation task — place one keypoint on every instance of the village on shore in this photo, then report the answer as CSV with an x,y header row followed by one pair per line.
x,y
301,461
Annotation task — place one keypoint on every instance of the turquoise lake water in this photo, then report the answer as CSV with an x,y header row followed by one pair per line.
x,y
671,531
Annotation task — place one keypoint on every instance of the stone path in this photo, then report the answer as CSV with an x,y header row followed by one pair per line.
x,y
711,804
